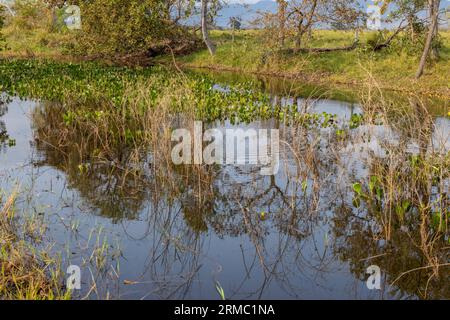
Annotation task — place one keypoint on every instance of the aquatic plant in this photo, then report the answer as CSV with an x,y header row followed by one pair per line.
x,y
26,271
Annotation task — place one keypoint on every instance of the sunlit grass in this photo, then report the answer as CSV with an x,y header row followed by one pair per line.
x,y
392,68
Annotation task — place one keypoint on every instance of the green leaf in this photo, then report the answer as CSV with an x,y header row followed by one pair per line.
x,y
400,212
436,221
373,183
220,290
357,188
406,205
356,202
304,185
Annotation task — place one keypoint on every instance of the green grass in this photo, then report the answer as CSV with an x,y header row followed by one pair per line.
x,y
251,52
393,69
35,42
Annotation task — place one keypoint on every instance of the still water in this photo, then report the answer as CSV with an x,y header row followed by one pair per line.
x,y
259,237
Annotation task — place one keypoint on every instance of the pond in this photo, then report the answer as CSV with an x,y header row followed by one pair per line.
x,y
295,234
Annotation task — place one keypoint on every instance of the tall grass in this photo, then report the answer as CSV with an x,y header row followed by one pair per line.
x,y
123,141
26,270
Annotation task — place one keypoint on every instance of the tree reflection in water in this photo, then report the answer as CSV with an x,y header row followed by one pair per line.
x,y
282,217
3,133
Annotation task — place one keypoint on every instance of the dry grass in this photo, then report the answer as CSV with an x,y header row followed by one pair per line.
x,y
26,272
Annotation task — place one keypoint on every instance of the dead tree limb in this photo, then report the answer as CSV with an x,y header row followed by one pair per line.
x,y
385,44
319,50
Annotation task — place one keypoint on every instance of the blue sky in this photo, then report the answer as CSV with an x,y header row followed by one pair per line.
x,y
244,1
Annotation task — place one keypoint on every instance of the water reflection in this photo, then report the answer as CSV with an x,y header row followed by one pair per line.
x,y
3,133
296,89
403,260
294,235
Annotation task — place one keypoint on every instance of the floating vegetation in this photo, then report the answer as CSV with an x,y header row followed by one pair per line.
x,y
353,190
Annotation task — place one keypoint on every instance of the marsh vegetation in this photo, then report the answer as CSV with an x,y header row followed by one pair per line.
x,y
360,184
87,177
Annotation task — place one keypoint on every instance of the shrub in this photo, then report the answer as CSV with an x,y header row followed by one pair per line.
x,y
374,40
121,27
414,46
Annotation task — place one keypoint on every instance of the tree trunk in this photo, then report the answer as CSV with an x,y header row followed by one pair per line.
x,y
411,21
205,33
282,21
434,15
298,38
434,50
309,18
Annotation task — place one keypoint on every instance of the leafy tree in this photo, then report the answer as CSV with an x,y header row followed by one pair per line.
x,y
409,9
299,17
123,27
235,23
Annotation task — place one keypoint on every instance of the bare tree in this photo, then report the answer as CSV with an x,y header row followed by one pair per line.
x,y
304,14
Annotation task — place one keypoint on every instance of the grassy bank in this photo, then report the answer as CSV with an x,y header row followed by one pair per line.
x,y
250,51
392,69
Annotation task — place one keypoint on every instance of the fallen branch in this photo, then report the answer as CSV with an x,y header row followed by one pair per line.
x,y
389,40
319,50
